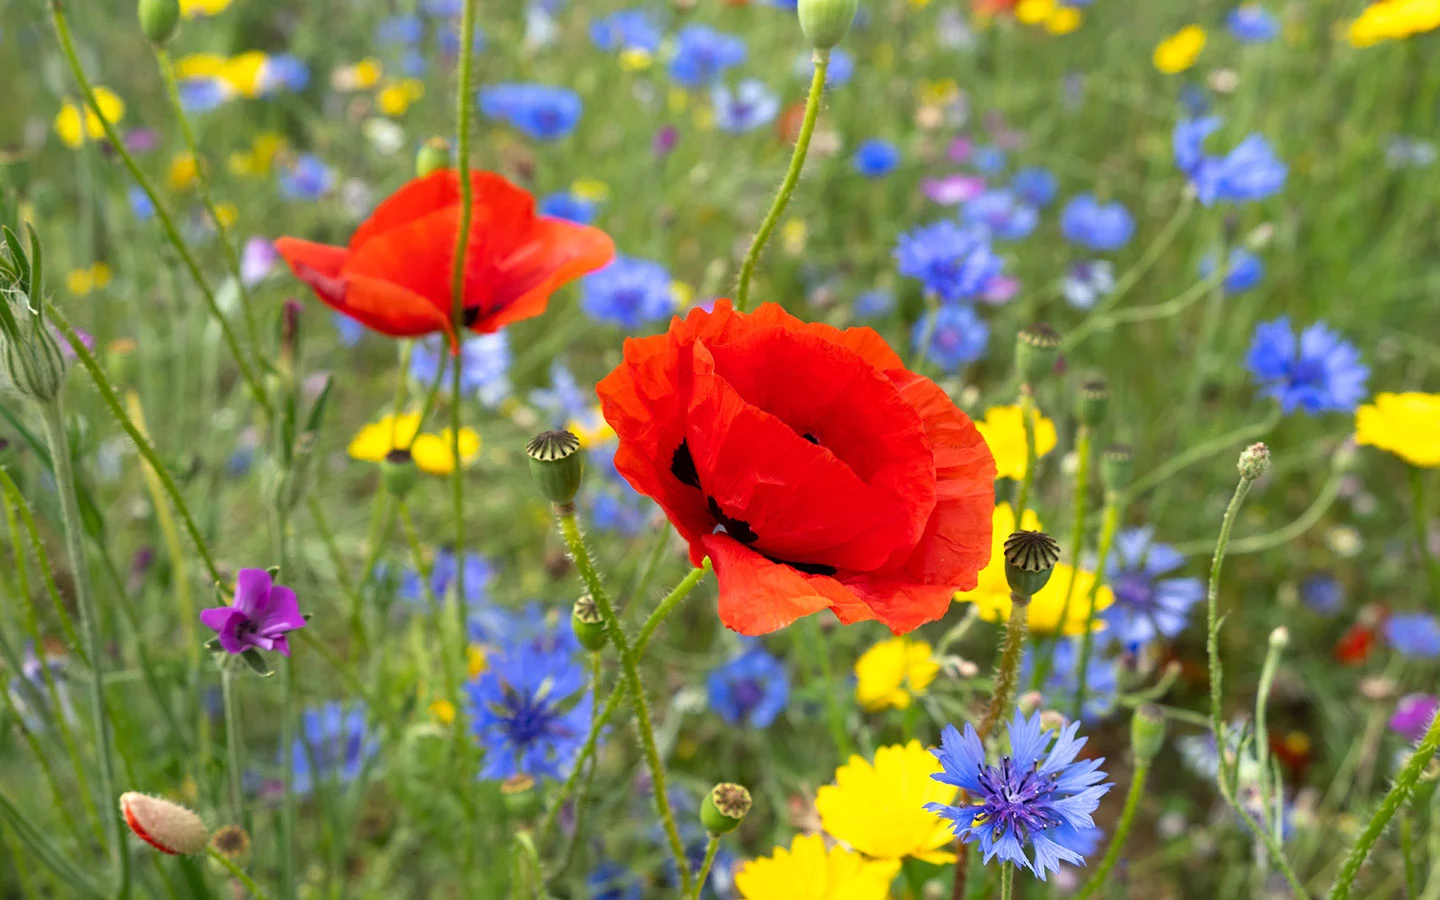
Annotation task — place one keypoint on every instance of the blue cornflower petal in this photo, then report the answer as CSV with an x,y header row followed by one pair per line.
x,y
539,111
1095,225
1318,372
750,690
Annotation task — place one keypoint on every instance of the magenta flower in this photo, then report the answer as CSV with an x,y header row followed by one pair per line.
x,y
953,189
1413,714
260,615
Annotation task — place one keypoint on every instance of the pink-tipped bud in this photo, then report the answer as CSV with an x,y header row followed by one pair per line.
x,y
168,827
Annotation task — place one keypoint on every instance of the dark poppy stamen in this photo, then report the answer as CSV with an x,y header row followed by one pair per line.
x,y
682,466
737,529
810,437
807,568
470,315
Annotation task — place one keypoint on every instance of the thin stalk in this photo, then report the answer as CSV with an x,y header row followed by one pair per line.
x,y
958,631
1007,881
712,847
202,181
238,874
570,530
162,213
1122,832
1109,525
1262,729
1008,668
1027,420
288,873
787,186
54,422
16,505
1418,512
1259,543
668,604
1077,544
1404,783
813,639
1407,855
234,748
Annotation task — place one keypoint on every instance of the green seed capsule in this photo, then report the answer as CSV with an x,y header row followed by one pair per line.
x,y
398,473
724,808
825,22
1147,732
1030,557
1036,348
587,624
557,465
434,155
158,20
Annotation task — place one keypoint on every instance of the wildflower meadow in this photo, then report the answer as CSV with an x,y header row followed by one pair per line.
x,y
710,449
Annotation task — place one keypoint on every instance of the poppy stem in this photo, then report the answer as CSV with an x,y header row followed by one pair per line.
x,y
711,849
787,186
1122,833
1008,668
256,893
1109,525
1077,543
1027,419
570,531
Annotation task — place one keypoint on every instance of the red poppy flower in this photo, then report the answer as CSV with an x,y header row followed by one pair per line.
x,y
395,276
811,467
1355,644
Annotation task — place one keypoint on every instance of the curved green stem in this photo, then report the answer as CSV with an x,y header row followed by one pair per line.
x,y
1109,525
712,847
787,186
238,874
1199,452
1281,536
570,530
1262,728
668,604
1122,832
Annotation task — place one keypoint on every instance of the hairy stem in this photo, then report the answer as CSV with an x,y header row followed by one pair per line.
x,y
1109,525
712,847
1122,832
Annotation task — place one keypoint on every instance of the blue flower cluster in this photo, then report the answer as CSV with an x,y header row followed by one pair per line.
x,y
1251,171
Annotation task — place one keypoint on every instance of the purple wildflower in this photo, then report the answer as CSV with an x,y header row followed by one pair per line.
x,y
261,615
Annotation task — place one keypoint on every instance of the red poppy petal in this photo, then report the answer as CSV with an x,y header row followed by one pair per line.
x,y
318,265
758,596
391,309
864,341
415,199
416,256
900,603
555,253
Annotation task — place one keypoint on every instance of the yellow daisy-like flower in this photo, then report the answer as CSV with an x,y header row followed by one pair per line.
x,y
476,661
184,171
244,74
100,275
1004,431
809,871
367,73
1407,425
592,189
992,594
227,214
591,429
880,810
443,711
1393,20
635,59
1064,20
1034,12
431,452
893,672
80,282
194,8
74,126
392,100
199,65
1179,51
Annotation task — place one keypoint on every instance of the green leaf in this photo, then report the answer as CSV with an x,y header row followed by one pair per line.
x,y
37,274
17,256
45,850
257,663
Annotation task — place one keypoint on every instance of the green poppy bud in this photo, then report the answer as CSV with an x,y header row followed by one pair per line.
x,y
31,364
1030,557
825,22
1147,732
1117,467
724,808
556,465
588,625
521,796
434,155
1254,462
1092,402
1036,348
158,20
398,473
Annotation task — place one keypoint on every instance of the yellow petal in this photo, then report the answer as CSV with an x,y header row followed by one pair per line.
x,y
879,808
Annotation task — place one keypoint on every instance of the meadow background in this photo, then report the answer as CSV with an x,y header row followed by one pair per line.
x,y
305,137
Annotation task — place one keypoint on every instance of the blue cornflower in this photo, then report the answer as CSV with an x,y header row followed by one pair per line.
x,y
952,262
1323,594
1414,634
613,505
530,712
405,30
1194,100
479,573
989,160
841,70
957,336
612,881
1008,217
284,71
1319,372
30,694
1148,605
1063,680
347,329
1036,186
140,203
484,368
628,29
413,63
876,158
1244,272
751,105
1252,24
198,95
1095,225
749,690
563,400
567,206
1087,281
1250,171
539,111
334,744
307,179
1032,797
874,304
703,54
628,292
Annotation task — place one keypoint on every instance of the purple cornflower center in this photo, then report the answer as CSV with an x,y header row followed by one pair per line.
x,y
747,692
1307,372
1016,800
527,718
1134,590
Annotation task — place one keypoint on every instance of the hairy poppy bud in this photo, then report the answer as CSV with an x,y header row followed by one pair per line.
x,y
1092,402
521,796
168,827
158,20
586,622
724,808
825,22
1117,465
1035,350
398,473
1030,557
434,155
31,364
1254,462
233,843
1147,732
556,465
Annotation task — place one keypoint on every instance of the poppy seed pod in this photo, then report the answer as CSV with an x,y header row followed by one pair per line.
x,y
1147,732
1092,402
434,155
159,20
825,22
1254,462
1036,348
557,465
724,808
1117,465
168,827
1030,557
233,843
586,622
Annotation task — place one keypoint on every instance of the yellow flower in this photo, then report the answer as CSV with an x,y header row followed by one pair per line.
x,y
1004,431
592,189
880,809
992,594
432,452
591,429
476,661
100,275
183,173
1393,20
938,93
80,282
635,60
244,73
1064,20
199,65
260,157
892,672
192,8
1178,52
392,100
1034,12
74,128
808,871
443,711
1407,425
681,293
227,214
